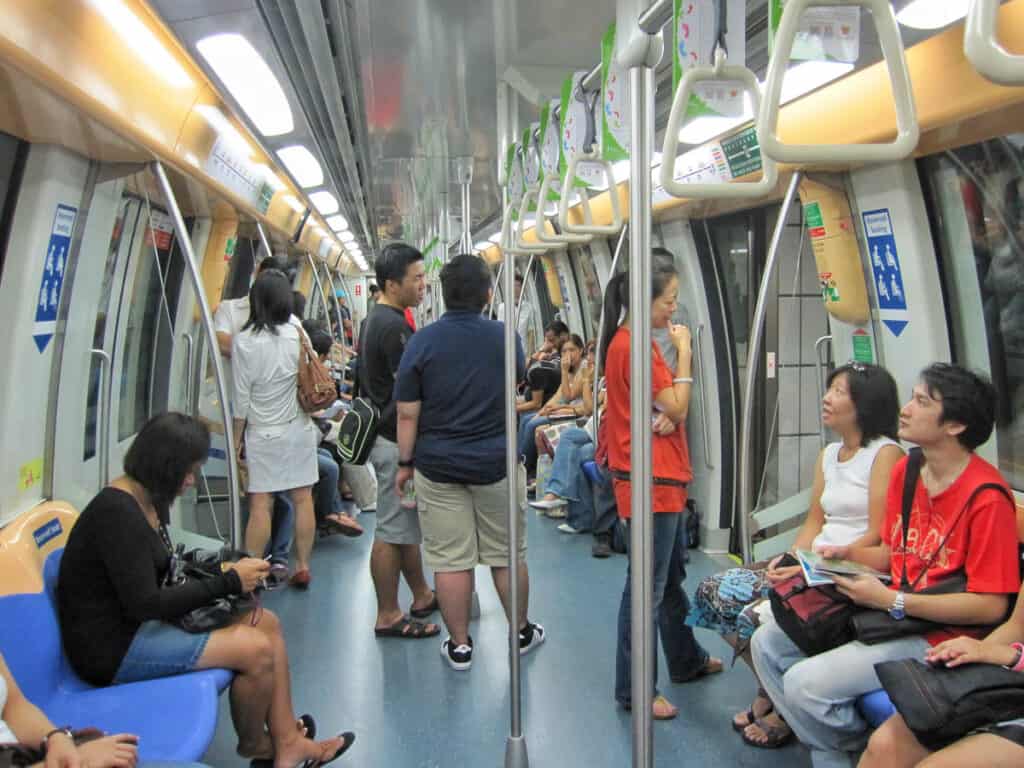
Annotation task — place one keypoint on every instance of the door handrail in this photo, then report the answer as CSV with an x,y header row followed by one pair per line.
x,y
670,149
705,427
821,365
189,369
103,421
908,130
588,227
982,47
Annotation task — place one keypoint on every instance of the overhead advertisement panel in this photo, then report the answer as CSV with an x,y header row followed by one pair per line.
x,y
615,103
697,32
826,33
578,131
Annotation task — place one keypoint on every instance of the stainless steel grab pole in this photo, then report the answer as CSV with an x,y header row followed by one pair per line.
x,y
822,382
266,245
195,276
494,293
189,369
600,334
515,747
518,300
337,306
705,428
320,288
641,558
746,501
103,417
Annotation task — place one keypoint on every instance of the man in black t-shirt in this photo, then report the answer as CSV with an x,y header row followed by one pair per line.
x,y
396,539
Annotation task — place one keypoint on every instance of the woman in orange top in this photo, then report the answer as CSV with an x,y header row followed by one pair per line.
x,y
687,660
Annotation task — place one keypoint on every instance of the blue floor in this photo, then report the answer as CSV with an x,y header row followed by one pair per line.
x,y
408,708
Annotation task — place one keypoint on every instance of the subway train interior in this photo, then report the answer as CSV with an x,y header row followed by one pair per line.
x,y
840,182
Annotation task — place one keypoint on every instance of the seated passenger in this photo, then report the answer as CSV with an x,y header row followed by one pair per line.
x,y
687,660
565,403
451,427
894,745
950,414
22,722
116,613
847,507
554,337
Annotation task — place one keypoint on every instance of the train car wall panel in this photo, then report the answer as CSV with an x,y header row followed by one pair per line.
x,y
911,333
705,445
54,179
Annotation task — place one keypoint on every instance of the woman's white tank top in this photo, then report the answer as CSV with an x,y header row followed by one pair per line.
x,y
845,497
6,734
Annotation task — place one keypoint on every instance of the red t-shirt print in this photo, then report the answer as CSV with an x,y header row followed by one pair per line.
x,y
983,542
670,456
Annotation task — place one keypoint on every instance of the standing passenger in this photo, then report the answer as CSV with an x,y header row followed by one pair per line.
x,y
280,440
671,464
451,421
396,540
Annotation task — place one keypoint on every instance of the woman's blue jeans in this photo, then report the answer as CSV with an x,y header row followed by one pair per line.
x,y
567,479
527,446
685,655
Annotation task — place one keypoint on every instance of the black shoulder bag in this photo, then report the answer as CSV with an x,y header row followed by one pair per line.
x,y
872,626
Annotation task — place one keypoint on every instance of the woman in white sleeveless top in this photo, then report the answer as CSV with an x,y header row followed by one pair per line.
x,y
35,729
847,507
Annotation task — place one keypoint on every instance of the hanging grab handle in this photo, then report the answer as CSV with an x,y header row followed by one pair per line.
x,y
670,150
542,235
588,227
508,237
907,129
982,47
540,224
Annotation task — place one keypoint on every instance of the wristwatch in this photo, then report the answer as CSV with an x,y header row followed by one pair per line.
x,y
897,611
407,464
65,729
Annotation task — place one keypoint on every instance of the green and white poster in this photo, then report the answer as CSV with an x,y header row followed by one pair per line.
x,y
577,123
514,174
695,34
825,33
549,147
531,162
615,103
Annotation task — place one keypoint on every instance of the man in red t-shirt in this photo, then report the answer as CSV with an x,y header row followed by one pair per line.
x,y
950,414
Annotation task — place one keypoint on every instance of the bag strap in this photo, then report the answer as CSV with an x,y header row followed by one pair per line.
x,y
913,471
970,500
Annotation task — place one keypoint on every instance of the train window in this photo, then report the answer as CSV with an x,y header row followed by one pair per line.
x,y
240,269
589,287
149,334
978,219
547,310
12,162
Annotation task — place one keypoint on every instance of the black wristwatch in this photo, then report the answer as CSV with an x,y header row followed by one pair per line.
x,y
65,729
407,464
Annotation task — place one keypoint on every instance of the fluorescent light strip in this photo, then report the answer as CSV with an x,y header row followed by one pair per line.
x,y
248,78
483,245
325,202
141,40
302,165
337,223
346,237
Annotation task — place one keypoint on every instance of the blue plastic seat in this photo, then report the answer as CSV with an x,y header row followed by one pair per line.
x,y
592,472
876,707
175,717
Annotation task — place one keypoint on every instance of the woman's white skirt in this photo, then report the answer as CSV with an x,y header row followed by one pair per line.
x,y
282,456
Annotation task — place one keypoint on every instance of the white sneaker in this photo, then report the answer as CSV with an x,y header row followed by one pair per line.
x,y
459,657
557,513
566,528
548,503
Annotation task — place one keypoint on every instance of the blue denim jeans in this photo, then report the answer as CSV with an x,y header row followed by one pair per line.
x,y
527,446
567,479
685,655
817,696
606,512
326,498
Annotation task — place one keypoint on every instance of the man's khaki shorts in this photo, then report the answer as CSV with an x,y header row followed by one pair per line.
x,y
467,525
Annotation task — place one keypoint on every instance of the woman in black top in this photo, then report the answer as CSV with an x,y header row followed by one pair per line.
x,y
115,615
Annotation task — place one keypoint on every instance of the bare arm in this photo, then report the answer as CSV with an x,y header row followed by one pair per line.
x,y
964,608
533,404
224,343
23,717
815,519
408,426
878,487
674,401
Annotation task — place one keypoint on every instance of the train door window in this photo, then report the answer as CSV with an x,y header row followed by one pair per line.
x,y
240,269
149,333
12,161
588,286
978,221
546,309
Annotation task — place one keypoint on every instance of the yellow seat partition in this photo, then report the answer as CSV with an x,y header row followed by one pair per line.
x,y
28,541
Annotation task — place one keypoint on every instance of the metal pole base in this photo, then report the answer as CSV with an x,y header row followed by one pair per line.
x,y
474,610
515,753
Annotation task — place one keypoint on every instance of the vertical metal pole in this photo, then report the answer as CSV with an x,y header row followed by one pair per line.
x,y
494,293
320,287
744,508
467,237
526,282
195,277
515,747
265,241
337,308
600,333
641,563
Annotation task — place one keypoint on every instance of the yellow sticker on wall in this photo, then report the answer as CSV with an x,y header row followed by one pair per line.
x,y
30,473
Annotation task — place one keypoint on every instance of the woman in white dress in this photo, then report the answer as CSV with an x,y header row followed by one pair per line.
x,y
280,438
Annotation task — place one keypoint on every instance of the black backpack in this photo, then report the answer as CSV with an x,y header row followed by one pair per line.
x,y
358,431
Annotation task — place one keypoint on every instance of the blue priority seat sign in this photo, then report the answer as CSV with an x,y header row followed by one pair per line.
x,y
54,267
885,270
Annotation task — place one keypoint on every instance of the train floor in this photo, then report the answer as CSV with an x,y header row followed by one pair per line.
x,y
409,709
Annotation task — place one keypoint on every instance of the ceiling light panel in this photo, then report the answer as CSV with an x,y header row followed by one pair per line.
x,y
346,237
249,80
325,202
337,223
301,164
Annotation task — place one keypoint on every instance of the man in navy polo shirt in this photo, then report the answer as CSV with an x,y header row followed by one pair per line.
x,y
451,395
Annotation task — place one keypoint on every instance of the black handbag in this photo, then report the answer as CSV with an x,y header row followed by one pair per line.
x,y
872,626
941,705
199,565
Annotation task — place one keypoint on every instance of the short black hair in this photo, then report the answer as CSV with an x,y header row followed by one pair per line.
x,y
270,302
269,262
967,398
575,339
298,303
166,449
465,283
558,328
875,398
393,263
374,289
321,341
